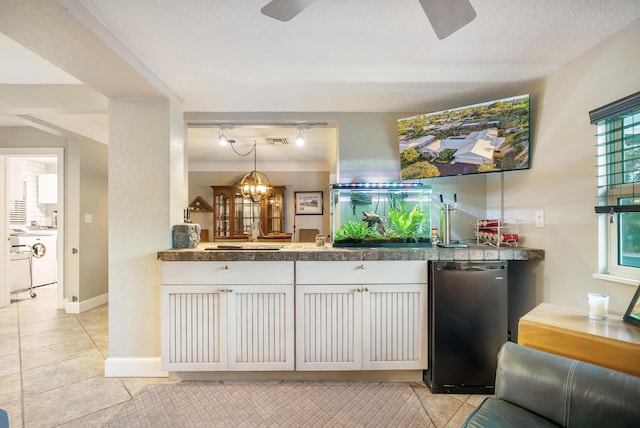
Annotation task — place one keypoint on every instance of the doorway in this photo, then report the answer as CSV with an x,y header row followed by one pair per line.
x,y
32,194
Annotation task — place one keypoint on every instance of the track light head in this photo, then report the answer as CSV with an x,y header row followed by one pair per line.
x,y
222,137
300,138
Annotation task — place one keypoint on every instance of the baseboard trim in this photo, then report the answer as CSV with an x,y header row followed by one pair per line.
x,y
134,367
85,305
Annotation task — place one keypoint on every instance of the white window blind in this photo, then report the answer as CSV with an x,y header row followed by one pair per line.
x,y
618,155
18,208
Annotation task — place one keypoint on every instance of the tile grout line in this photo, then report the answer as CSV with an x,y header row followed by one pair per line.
x,y
94,344
461,404
120,380
89,335
433,424
124,385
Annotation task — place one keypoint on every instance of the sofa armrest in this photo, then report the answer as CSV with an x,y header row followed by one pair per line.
x,y
566,391
533,380
494,413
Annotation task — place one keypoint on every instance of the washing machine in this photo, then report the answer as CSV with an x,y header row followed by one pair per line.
x,y
19,267
33,259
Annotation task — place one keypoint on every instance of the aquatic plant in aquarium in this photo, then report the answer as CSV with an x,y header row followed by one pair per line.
x,y
380,214
406,223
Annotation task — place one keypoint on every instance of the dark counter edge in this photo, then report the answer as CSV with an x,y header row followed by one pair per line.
x,y
354,254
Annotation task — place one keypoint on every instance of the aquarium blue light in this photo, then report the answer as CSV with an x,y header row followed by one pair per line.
x,y
379,186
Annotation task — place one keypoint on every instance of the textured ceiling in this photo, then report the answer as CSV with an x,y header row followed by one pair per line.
x,y
353,55
336,56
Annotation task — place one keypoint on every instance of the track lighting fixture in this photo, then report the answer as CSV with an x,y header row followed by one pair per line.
x,y
222,137
300,138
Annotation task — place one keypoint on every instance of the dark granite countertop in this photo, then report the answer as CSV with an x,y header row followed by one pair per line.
x,y
309,252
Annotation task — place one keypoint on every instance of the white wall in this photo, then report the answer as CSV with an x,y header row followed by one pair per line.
x,y
561,180
146,195
93,235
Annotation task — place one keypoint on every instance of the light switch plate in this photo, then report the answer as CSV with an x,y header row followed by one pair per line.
x,y
539,218
88,218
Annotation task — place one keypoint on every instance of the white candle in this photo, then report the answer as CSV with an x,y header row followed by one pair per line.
x,y
598,306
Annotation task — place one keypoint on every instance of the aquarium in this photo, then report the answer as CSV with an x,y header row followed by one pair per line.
x,y
380,214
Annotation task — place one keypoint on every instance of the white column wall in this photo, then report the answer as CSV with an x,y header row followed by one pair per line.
x,y
146,191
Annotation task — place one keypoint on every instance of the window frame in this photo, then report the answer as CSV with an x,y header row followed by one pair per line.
x,y
614,267
611,155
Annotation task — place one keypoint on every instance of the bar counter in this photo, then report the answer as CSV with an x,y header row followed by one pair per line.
x,y
257,251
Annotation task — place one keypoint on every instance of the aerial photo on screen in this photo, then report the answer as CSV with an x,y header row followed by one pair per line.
x,y
480,138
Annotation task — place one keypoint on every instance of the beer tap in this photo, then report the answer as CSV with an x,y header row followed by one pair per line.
x,y
445,222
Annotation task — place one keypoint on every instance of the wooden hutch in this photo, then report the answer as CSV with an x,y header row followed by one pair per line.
x,y
233,215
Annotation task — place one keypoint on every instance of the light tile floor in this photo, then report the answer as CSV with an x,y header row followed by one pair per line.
x,y
52,369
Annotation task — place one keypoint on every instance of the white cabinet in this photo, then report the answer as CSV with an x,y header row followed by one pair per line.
x,y
47,188
365,315
328,326
227,316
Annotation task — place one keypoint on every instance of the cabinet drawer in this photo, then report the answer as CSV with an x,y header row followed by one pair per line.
x,y
227,272
362,272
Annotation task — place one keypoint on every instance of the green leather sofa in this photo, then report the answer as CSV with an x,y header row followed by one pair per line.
x,y
538,389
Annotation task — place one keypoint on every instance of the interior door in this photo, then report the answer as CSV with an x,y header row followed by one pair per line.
x,y
7,171
5,298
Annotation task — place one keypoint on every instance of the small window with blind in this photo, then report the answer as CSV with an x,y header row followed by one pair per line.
x,y
618,154
18,208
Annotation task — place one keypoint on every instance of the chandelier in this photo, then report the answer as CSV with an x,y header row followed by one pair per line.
x,y
254,186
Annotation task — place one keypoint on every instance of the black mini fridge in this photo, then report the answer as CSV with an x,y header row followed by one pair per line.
x,y
468,323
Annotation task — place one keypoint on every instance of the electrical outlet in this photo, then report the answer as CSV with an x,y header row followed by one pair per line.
x,y
539,218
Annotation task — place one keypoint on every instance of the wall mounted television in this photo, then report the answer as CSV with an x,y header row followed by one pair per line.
x,y
488,137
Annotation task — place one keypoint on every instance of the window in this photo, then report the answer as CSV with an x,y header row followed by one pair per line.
x,y
17,208
618,153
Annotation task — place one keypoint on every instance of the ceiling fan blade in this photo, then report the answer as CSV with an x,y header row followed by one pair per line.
x,y
284,10
448,16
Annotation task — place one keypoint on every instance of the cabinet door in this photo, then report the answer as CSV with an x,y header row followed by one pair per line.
x,y
394,327
328,327
272,211
194,327
222,212
247,213
261,327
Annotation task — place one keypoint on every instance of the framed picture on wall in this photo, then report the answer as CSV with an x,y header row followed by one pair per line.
x,y
309,203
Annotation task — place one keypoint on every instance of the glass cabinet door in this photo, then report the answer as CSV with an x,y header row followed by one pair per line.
x,y
222,211
247,213
273,223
